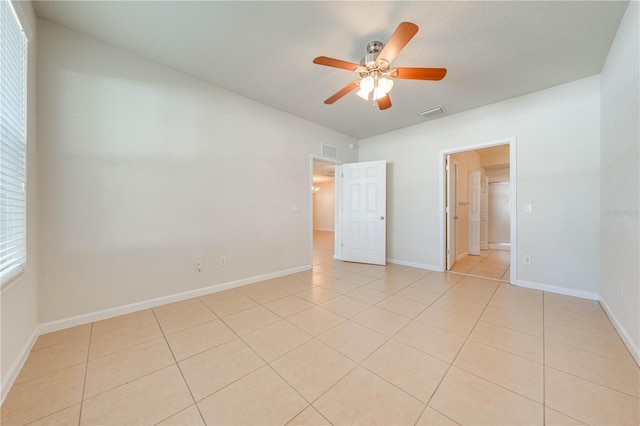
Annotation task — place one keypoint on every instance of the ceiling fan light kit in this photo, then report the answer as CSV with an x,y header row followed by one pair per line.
x,y
376,75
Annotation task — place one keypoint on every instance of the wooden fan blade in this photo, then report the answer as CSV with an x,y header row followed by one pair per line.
x,y
341,93
421,73
384,102
336,63
398,40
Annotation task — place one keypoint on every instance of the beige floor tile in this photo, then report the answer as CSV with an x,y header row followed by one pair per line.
x,y
433,341
245,402
589,402
381,320
509,340
309,417
227,302
172,308
438,278
351,266
319,279
386,286
556,418
291,286
67,417
431,417
469,399
432,285
62,336
362,398
126,365
367,295
517,374
54,358
514,305
457,323
312,368
262,292
124,337
522,294
513,320
359,279
413,371
214,369
287,306
421,296
604,344
317,295
474,289
340,286
147,400
345,306
181,320
606,371
194,340
591,323
353,340
573,304
408,275
315,320
276,339
335,273
43,396
402,306
374,272
189,416
465,307
249,320
121,321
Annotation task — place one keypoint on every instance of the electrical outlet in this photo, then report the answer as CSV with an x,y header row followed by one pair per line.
x,y
198,263
223,260
526,259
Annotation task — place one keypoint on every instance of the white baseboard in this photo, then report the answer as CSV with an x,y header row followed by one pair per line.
x,y
622,332
462,256
559,290
416,265
146,304
12,373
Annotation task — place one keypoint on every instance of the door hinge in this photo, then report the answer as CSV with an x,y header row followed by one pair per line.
x,y
446,209
446,252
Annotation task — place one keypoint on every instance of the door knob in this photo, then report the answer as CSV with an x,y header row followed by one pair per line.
x,y
455,217
381,217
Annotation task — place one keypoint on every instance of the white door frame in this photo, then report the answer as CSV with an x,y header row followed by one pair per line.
x,y
337,195
511,141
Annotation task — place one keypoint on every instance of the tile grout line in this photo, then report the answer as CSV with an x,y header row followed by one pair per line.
x,y
164,336
86,370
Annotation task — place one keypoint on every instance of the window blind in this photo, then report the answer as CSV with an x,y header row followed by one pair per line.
x,y
13,199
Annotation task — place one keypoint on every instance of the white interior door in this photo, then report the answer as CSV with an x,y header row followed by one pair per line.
x,y
452,211
474,213
484,213
364,210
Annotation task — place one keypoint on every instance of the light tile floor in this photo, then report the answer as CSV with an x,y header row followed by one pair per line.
x,y
342,344
490,263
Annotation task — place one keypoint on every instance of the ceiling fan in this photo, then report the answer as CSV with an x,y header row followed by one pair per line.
x,y
376,74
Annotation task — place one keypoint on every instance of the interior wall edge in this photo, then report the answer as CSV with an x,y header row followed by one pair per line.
x,y
64,323
18,363
622,331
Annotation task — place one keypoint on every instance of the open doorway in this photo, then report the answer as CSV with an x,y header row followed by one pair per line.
x,y
323,207
478,202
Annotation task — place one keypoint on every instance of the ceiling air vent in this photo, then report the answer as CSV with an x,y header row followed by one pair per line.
x,y
329,150
431,112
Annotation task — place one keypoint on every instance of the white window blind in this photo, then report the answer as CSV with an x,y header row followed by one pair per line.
x,y
13,199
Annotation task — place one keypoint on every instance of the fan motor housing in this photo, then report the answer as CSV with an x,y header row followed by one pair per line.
x,y
373,50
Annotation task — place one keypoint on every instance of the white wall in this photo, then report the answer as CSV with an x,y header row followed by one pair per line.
x,y
557,163
619,183
145,169
19,308
324,206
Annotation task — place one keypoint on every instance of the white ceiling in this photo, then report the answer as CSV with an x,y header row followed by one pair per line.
x,y
264,50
